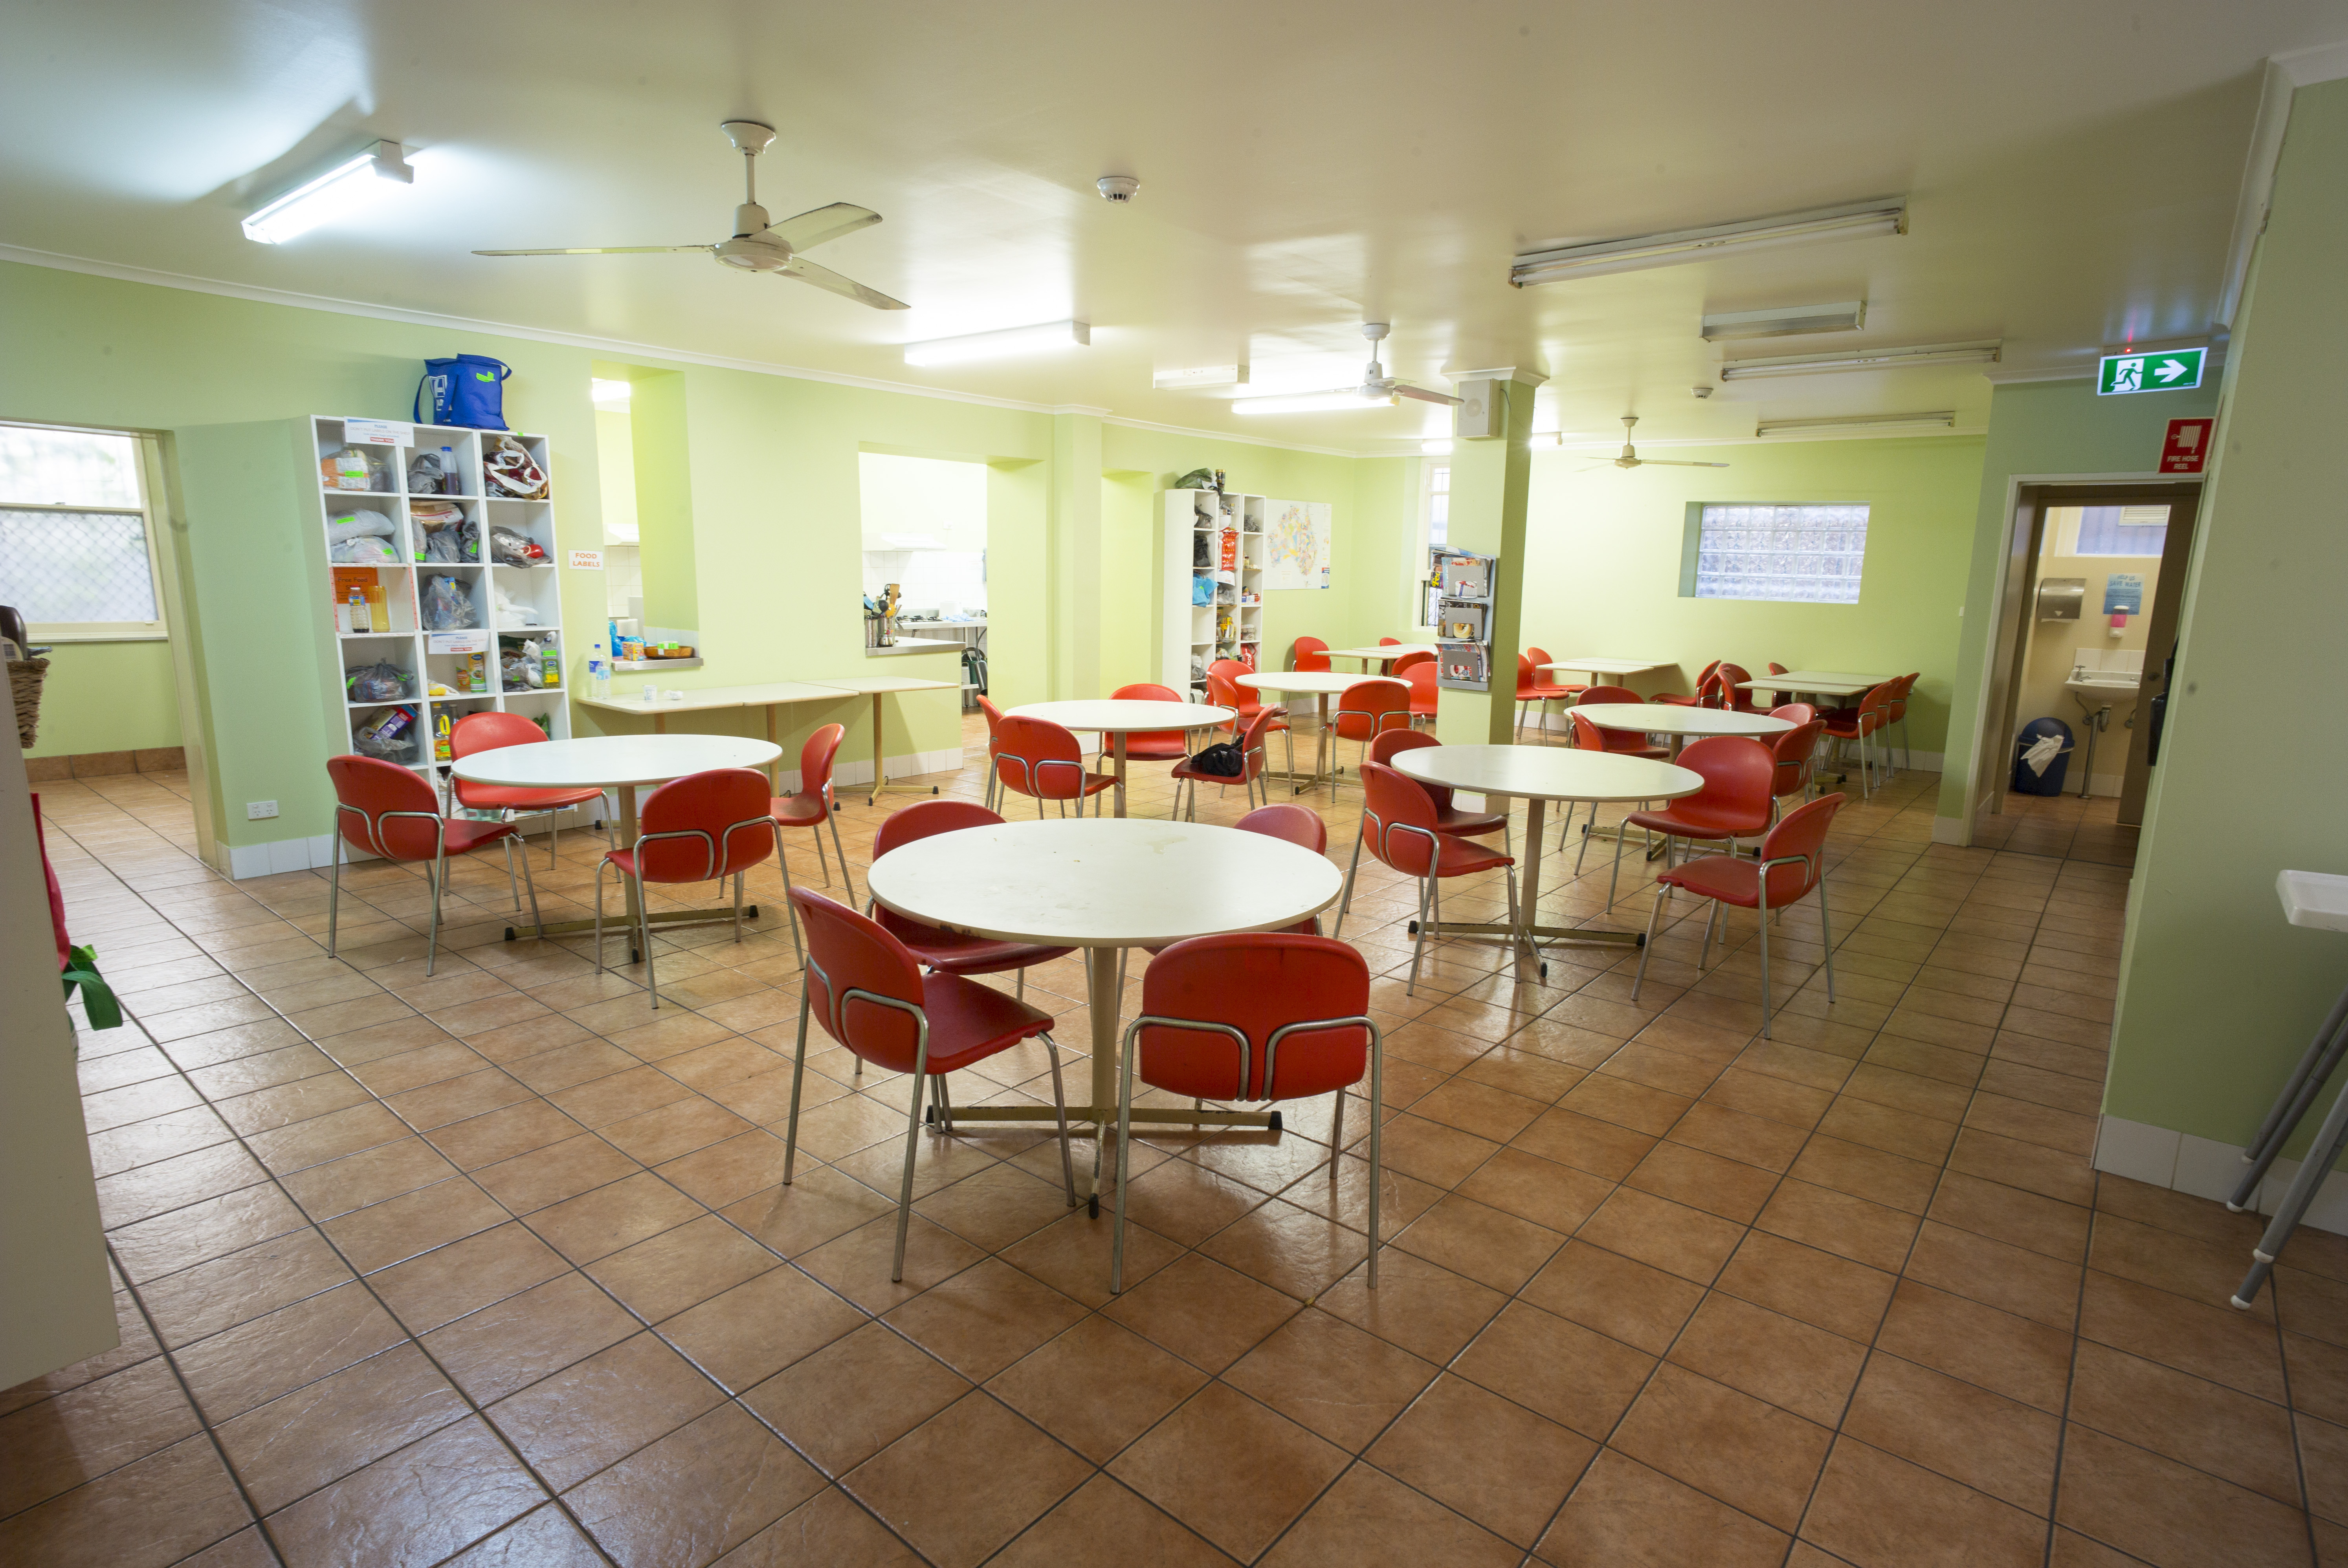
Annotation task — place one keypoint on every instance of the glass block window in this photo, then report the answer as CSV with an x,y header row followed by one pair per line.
x,y
74,549
1799,555
2123,530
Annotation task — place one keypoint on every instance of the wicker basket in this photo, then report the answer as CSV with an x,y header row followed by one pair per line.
x,y
25,678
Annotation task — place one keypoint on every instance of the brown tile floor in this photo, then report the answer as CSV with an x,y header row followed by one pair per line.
x,y
2063,826
493,1267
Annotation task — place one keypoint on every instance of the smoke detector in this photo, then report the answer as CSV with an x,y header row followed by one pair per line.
x,y
1118,188
1700,391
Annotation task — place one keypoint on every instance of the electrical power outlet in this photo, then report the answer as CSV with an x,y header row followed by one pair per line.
x,y
254,810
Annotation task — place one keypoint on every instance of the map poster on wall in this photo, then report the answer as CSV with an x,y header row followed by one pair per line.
x,y
1295,544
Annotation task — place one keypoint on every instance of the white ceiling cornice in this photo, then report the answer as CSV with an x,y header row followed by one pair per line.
x,y
2307,68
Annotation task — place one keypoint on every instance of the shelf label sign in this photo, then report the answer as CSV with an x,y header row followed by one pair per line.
x,y
2124,593
586,561
378,432
456,641
2187,449
2167,370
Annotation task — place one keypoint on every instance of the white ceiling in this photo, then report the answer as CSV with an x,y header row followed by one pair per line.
x,y
1306,165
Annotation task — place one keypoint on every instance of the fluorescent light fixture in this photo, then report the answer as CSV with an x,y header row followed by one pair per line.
x,y
1309,402
336,193
1946,419
1852,220
1046,337
613,396
1434,448
1787,320
1202,376
1982,353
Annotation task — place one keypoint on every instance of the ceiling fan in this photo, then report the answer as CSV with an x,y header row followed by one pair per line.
x,y
758,245
1377,387
1630,458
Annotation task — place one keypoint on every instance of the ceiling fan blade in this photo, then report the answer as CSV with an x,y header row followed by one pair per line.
x,y
600,250
823,224
807,272
1676,463
1425,396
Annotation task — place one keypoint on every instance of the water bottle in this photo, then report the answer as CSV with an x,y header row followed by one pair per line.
x,y
599,676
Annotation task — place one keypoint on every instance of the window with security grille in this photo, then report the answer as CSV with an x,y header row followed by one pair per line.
x,y
75,556
1798,555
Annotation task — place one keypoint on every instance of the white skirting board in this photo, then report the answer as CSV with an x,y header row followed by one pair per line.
x,y
848,770
2209,1169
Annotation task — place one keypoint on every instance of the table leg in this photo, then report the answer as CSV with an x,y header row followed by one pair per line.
x,y
660,723
775,768
1321,742
628,840
1101,997
1529,966
1528,934
880,775
1116,743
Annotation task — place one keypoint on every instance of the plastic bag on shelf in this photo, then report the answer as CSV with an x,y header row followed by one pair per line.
x,y
522,668
447,607
424,476
357,523
391,737
454,545
367,549
511,471
508,548
375,683
430,515
510,611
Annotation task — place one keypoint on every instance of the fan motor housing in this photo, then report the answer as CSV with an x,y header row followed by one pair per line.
x,y
755,253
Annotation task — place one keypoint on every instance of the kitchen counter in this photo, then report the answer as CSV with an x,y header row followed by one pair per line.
x,y
914,645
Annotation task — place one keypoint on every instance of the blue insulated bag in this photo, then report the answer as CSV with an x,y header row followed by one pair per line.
x,y
468,390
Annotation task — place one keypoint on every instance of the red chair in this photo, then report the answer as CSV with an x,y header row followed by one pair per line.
x,y
1792,862
1548,687
1400,827
1151,745
1779,699
993,744
1223,690
1311,654
1449,818
1794,752
1726,680
1386,666
703,827
1673,699
1296,824
1857,726
1738,775
391,812
1626,742
1897,713
477,733
1254,1015
813,806
1252,755
1794,712
1370,707
1526,696
869,994
1041,760
951,952
1417,672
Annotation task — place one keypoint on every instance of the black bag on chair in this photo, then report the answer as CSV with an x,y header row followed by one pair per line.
x,y
1224,759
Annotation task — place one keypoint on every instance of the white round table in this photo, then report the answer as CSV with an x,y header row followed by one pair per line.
x,y
1320,685
1104,884
1119,717
1381,654
607,762
1537,776
1681,724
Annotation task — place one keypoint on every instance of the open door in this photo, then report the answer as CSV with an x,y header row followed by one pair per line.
x,y
2007,640
2161,644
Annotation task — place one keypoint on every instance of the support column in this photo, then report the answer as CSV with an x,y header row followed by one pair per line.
x,y
1074,532
1490,477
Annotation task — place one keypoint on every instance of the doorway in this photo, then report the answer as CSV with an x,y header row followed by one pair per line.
x,y
2086,629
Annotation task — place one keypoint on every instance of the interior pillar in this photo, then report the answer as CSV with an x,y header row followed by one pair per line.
x,y
1490,479
1074,616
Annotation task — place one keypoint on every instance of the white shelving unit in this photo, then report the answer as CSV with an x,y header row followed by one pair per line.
x,y
532,600
1231,626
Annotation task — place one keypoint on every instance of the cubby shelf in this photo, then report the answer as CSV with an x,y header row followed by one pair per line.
x,y
1194,635
409,648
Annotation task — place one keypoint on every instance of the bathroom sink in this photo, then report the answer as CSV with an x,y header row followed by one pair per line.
x,y
2109,686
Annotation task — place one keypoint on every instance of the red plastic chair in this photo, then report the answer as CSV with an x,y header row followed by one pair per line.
x,y
951,952
1779,699
1449,818
1254,1015
477,733
391,812
1796,753
1251,753
1726,679
1525,694
1625,742
1794,712
1296,824
1417,672
813,806
1856,727
867,992
1042,761
1386,666
1370,707
1151,745
1312,655
1674,699
994,745
1792,864
1897,713
1548,687
1223,690
1399,827
1739,775
703,827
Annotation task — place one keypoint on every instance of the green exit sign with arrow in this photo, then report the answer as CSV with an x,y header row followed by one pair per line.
x,y
2162,370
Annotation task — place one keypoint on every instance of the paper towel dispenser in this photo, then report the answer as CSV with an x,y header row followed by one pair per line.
x,y
2059,598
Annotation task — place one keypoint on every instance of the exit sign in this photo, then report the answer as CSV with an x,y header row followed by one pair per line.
x,y
2166,370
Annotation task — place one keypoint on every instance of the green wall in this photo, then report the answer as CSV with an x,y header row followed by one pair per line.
x,y
2040,428
2218,995
1603,562
107,697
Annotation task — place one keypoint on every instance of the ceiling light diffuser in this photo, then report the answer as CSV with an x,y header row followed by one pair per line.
x,y
1982,353
1945,419
1200,376
1852,220
335,193
1785,320
1047,337
1310,403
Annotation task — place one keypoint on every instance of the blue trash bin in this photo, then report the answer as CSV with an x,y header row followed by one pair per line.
x,y
2026,780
